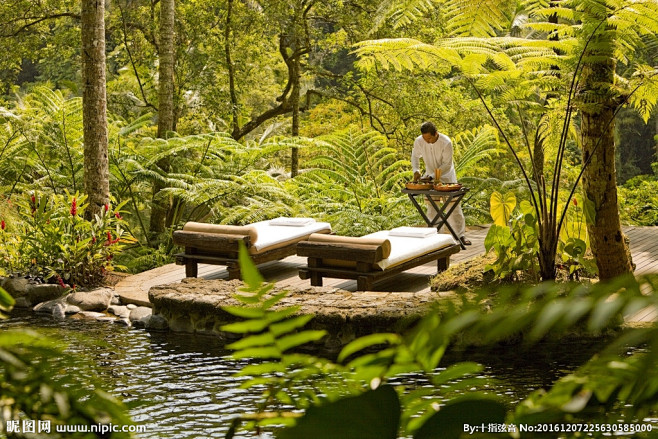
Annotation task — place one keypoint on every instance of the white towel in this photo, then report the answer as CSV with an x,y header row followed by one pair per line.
x,y
294,222
413,232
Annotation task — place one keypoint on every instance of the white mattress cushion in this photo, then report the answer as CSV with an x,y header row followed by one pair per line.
x,y
405,248
270,235
413,232
294,222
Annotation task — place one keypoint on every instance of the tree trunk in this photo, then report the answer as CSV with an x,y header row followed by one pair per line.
x,y
161,209
608,244
294,100
94,106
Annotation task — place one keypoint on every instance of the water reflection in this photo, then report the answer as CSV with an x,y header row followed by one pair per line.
x,y
182,386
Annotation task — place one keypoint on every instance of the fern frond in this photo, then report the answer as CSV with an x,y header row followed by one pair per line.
x,y
479,19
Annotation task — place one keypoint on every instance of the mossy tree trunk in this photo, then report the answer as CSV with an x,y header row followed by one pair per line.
x,y
598,102
162,207
94,106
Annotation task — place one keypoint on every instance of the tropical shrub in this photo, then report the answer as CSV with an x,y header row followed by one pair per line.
x,y
638,199
55,242
514,237
356,396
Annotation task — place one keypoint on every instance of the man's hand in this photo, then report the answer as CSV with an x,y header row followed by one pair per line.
x,y
416,176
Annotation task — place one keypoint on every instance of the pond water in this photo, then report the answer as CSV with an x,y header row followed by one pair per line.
x,y
181,386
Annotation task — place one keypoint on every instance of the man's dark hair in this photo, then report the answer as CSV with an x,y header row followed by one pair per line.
x,y
428,127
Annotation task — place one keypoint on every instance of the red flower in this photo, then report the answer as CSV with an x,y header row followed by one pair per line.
x,y
61,282
74,207
2,224
575,203
33,202
109,239
93,240
107,207
118,215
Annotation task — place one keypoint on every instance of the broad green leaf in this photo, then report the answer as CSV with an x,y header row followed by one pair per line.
x,y
244,312
267,304
275,316
250,274
6,301
291,324
259,352
246,327
300,338
603,312
449,421
372,415
366,342
265,339
456,371
261,369
589,207
497,236
501,207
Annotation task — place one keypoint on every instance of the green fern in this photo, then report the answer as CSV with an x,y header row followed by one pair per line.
x,y
355,183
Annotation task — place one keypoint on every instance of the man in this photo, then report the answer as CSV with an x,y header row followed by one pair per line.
x,y
436,150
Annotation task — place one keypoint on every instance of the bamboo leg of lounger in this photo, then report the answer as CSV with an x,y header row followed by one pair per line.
x,y
363,283
233,270
442,264
191,268
316,278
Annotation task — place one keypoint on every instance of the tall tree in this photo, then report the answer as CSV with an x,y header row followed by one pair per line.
x,y
599,103
162,206
94,106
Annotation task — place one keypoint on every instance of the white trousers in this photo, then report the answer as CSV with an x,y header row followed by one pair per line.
x,y
456,219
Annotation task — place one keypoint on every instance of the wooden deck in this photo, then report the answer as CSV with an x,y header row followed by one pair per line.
x,y
134,289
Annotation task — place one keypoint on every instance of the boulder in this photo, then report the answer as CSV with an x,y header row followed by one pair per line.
x,y
119,311
49,306
157,323
95,300
139,313
30,293
122,321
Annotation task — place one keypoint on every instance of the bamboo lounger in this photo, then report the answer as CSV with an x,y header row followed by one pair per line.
x,y
219,244
372,257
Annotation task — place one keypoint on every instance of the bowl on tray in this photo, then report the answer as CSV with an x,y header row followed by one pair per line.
x,y
447,187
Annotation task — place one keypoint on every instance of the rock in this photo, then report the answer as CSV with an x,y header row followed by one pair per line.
x,y
22,302
131,306
33,293
181,324
72,309
106,318
119,311
38,293
157,323
122,321
95,300
16,286
58,311
49,306
116,300
91,314
139,312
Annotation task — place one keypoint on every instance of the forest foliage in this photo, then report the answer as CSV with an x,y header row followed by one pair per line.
x,y
357,125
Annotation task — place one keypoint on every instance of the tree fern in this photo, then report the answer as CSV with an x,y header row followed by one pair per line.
x,y
472,146
355,183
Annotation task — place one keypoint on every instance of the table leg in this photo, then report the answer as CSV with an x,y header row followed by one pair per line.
x,y
441,218
420,209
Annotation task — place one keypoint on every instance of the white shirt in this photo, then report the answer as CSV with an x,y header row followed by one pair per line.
x,y
437,155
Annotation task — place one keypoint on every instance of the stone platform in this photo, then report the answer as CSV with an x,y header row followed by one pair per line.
x,y
195,306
